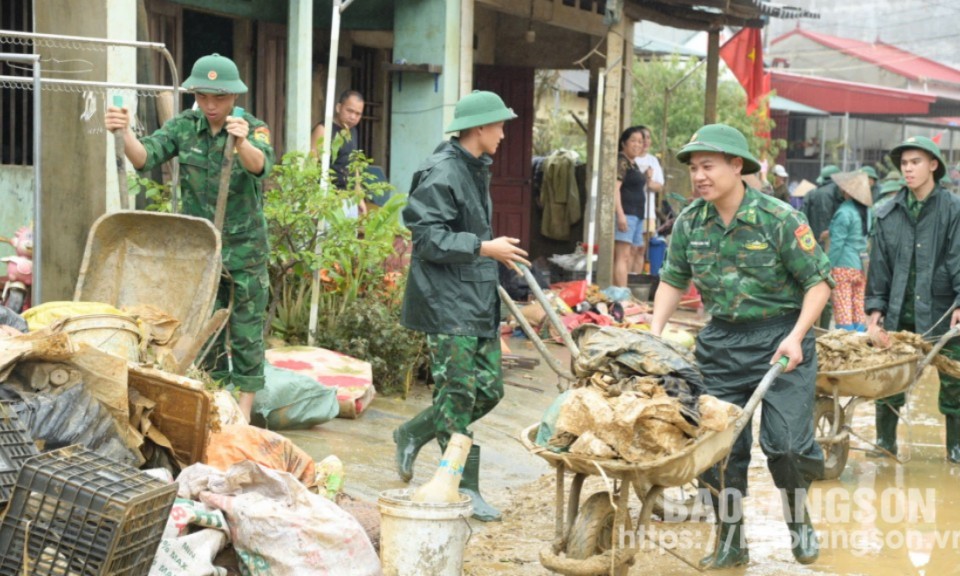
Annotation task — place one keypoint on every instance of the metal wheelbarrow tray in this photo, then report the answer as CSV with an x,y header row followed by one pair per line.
x,y
170,261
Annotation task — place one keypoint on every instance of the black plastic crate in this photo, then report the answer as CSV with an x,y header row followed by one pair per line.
x,y
16,447
560,274
76,513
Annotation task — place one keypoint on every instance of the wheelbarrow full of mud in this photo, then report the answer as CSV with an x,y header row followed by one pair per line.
x,y
840,392
588,537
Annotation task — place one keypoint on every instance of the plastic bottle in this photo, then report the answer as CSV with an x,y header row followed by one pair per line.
x,y
330,476
442,488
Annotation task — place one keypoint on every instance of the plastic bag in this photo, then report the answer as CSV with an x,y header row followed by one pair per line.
x,y
572,293
293,401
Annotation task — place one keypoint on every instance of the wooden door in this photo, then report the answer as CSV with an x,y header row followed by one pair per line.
x,y
511,185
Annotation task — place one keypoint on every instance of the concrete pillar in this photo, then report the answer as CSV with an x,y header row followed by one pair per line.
x,y
713,66
629,58
609,150
425,32
84,175
299,75
466,46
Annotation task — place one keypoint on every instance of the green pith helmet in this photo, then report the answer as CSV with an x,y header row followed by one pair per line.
x,y
925,144
825,174
870,172
720,138
215,74
890,186
479,108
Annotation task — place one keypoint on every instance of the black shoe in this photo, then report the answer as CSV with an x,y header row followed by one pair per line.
x,y
953,439
887,419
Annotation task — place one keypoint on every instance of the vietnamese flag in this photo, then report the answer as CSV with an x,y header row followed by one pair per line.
x,y
743,54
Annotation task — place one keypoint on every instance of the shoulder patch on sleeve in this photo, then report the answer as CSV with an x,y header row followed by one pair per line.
x,y
805,238
262,134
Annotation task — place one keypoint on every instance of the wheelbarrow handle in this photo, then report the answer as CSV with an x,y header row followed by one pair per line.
x,y
941,342
769,378
226,169
534,337
551,313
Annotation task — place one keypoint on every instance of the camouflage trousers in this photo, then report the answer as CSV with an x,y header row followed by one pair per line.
x,y
949,398
468,381
244,331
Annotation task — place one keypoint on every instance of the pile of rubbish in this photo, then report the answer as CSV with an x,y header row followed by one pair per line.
x,y
842,350
638,398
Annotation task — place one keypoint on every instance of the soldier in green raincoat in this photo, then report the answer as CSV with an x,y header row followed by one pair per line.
x,y
764,280
197,138
914,278
451,292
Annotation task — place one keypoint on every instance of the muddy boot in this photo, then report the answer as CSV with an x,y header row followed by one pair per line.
x,y
803,538
887,421
410,437
470,485
953,439
731,548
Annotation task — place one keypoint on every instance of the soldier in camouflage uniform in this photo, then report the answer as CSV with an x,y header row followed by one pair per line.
x,y
764,280
914,278
197,138
451,292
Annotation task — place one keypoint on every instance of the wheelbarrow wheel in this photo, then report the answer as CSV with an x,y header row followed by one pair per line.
x,y
834,453
678,503
593,530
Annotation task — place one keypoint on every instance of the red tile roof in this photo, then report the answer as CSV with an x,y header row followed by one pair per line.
x,y
839,96
886,56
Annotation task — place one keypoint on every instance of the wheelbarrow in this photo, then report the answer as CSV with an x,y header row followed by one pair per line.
x,y
170,261
587,536
840,392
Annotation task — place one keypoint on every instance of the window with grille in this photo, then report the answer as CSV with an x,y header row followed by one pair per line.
x,y
16,101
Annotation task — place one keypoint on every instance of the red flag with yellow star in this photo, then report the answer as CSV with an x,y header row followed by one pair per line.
x,y
743,54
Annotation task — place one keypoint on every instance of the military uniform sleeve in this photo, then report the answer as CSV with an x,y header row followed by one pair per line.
x,y
676,268
259,136
879,273
430,214
801,254
163,144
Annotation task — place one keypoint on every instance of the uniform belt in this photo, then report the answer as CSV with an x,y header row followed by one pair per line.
x,y
789,318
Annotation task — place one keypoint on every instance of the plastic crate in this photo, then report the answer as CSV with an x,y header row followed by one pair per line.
x,y
16,446
75,513
559,274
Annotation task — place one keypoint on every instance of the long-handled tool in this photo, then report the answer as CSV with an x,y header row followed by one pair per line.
x,y
226,168
121,160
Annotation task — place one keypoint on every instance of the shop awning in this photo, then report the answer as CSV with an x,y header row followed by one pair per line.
x,y
841,97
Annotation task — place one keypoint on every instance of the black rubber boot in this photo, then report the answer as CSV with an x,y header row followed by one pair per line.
x,y
953,439
887,420
410,437
470,485
803,538
731,548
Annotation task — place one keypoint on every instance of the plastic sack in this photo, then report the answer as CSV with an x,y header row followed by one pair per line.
x,y
49,312
236,443
292,401
548,423
572,293
278,527
190,555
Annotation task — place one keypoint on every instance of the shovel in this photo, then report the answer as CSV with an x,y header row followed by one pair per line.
x,y
121,160
226,167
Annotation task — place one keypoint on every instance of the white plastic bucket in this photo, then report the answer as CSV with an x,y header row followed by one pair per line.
x,y
117,335
422,539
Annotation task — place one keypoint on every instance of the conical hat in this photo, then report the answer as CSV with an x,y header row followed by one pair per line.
x,y
856,184
802,188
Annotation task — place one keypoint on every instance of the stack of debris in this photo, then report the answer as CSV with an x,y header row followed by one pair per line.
x,y
638,398
842,350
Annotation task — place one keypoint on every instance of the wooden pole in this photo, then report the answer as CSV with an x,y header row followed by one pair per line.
x,y
606,207
629,57
713,67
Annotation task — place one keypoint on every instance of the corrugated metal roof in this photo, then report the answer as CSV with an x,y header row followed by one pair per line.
x,y
886,56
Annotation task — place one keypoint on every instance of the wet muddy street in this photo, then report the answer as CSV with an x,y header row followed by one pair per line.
x,y
878,518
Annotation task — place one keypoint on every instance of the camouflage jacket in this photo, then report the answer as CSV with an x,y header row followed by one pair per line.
x,y
820,205
188,138
926,250
759,266
451,289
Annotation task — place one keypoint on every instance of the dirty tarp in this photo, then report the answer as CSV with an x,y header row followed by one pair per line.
x,y
625,354
842,350
232,444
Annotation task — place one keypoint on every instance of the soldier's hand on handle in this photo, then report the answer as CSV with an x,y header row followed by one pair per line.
x,y
116,119
238,128
955,318
505,250
792,348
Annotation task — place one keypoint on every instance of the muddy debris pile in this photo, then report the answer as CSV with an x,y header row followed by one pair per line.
x,y
842,350
638,398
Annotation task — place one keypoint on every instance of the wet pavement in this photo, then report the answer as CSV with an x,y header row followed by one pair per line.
x,y
879,518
